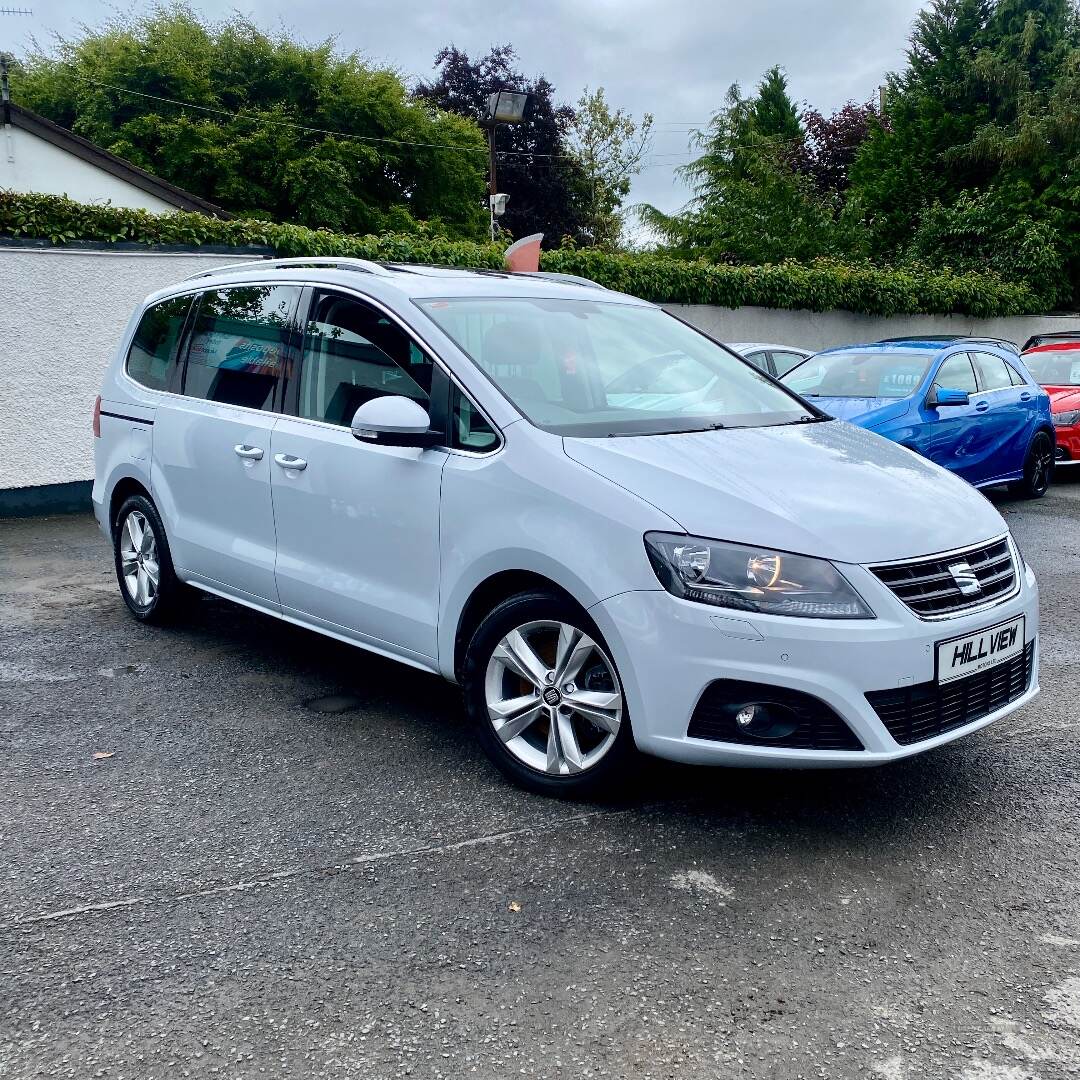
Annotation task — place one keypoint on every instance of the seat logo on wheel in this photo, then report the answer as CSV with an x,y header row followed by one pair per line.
x,y
965,579
552,696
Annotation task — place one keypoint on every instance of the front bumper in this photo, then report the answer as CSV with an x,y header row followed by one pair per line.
x,y
669,651
1068,444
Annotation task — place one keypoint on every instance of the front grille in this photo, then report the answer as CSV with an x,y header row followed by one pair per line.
x,y
815,725
928,586
915,713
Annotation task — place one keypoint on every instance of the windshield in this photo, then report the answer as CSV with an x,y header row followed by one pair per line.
x,y
577,367
1055,367
892,374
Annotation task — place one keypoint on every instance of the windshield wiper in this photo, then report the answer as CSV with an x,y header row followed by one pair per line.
x,y
681,431
805,420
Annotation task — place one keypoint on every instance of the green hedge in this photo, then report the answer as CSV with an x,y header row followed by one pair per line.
x,y
819,286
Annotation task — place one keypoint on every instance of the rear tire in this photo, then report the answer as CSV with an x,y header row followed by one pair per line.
x,y
1038,468
545,698
144,569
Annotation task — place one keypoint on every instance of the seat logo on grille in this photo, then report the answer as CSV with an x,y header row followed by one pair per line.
x,y
965,579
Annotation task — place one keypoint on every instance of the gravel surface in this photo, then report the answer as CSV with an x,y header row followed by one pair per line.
x,y
295,862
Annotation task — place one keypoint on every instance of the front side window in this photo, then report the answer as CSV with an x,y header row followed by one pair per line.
x,y
593,368
152,355
354,353
992,370
891,373
239,344
956,374
470,431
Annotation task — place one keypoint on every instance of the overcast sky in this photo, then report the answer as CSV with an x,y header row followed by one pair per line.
x,y
674,59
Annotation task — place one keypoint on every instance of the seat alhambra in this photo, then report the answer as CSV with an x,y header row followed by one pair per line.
x,y
615,534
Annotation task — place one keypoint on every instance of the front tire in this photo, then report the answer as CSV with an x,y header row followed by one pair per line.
x,y
1038,468
144,569
545,698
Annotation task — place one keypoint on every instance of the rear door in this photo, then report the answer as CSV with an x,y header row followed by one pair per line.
x,y
211,469
1010,415
358,524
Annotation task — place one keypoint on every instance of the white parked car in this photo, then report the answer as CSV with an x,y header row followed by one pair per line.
x,y
609,529
776,360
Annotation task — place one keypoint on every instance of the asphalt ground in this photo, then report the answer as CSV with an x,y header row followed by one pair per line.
x,y
297,863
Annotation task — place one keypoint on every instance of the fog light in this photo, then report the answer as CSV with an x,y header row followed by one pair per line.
x,y
746,716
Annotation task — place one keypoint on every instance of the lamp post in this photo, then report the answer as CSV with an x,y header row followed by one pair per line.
x,y
503,107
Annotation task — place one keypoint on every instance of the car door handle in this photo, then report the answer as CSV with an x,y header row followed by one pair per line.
x,y
982,406
251,453
288,461
1025,396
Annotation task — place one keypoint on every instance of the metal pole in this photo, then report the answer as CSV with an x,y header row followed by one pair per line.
x,y
491,178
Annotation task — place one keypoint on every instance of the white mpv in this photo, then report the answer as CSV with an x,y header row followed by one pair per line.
x,y
612,531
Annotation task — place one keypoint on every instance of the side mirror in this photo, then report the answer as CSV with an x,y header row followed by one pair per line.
x,y
941,397
394,421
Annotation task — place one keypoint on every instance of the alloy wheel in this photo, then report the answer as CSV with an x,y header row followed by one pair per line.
x,y
139,559
553,697
1042,461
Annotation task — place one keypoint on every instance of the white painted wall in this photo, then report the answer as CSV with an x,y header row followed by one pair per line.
x,y
822,330
61,317
62,314
29,163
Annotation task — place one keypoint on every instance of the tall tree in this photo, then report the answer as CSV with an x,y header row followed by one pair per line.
x,y
252,135
609,145
775,115
831,144
750,205
535,167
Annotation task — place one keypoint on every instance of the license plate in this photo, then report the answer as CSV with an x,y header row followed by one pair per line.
x,y
972,653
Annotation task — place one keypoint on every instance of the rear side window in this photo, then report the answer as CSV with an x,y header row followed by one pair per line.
x,y
993,371
1015,377
785,361
956,374
758,359
152,356
239,344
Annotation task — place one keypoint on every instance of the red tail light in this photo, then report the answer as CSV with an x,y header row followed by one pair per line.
x,y
97,417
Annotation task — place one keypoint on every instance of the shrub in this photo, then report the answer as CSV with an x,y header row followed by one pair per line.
x,y
820,285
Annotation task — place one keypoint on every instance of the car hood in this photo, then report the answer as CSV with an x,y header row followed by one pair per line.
x,y
864,411
1063,398
826,489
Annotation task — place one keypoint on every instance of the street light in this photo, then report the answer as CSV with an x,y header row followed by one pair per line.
x,y
503,107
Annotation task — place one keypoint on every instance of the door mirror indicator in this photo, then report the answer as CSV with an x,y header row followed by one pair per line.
x,y
941,397
394,421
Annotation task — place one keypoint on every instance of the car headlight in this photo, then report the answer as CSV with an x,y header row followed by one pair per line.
x,y
752,579
1066,419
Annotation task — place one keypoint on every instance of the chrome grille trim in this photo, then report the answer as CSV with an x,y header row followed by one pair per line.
x,y
926,587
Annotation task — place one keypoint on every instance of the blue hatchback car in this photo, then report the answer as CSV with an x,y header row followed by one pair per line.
x,y
968,404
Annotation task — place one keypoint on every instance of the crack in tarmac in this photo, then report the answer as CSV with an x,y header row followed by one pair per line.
x,y
301,871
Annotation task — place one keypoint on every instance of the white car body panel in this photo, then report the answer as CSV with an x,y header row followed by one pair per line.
x,y
383,547
358,535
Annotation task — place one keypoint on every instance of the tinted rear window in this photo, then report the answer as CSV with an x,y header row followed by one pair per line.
x,y
238,344
152,355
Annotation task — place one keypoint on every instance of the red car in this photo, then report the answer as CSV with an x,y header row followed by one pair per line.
x,y
1054,361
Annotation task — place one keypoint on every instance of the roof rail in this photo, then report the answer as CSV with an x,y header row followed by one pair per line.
x,y
570,279
949,339
364,266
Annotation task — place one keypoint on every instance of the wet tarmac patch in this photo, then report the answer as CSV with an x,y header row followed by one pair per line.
x,y
335,703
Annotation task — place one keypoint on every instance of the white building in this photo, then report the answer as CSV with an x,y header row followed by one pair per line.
x,y
38,156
